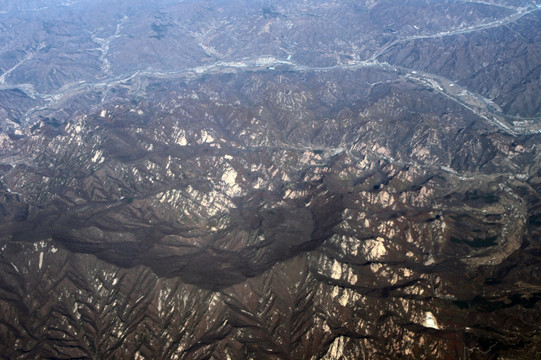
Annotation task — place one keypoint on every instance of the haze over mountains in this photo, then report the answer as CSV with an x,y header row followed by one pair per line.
x,y
270,179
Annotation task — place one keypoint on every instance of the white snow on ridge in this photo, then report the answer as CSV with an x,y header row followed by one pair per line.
x,y
430,321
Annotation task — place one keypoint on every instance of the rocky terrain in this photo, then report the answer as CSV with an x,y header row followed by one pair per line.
x,y
270,180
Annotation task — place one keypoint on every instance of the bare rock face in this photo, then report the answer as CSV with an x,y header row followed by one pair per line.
x,y
227,180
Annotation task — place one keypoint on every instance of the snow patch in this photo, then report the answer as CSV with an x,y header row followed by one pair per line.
x,y
341,271
374,249
229,176
205,137
160,300
336,271
336,350
430,321
182,141
97,158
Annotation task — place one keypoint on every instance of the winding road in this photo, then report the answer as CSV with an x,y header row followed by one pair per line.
x,y
481,106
